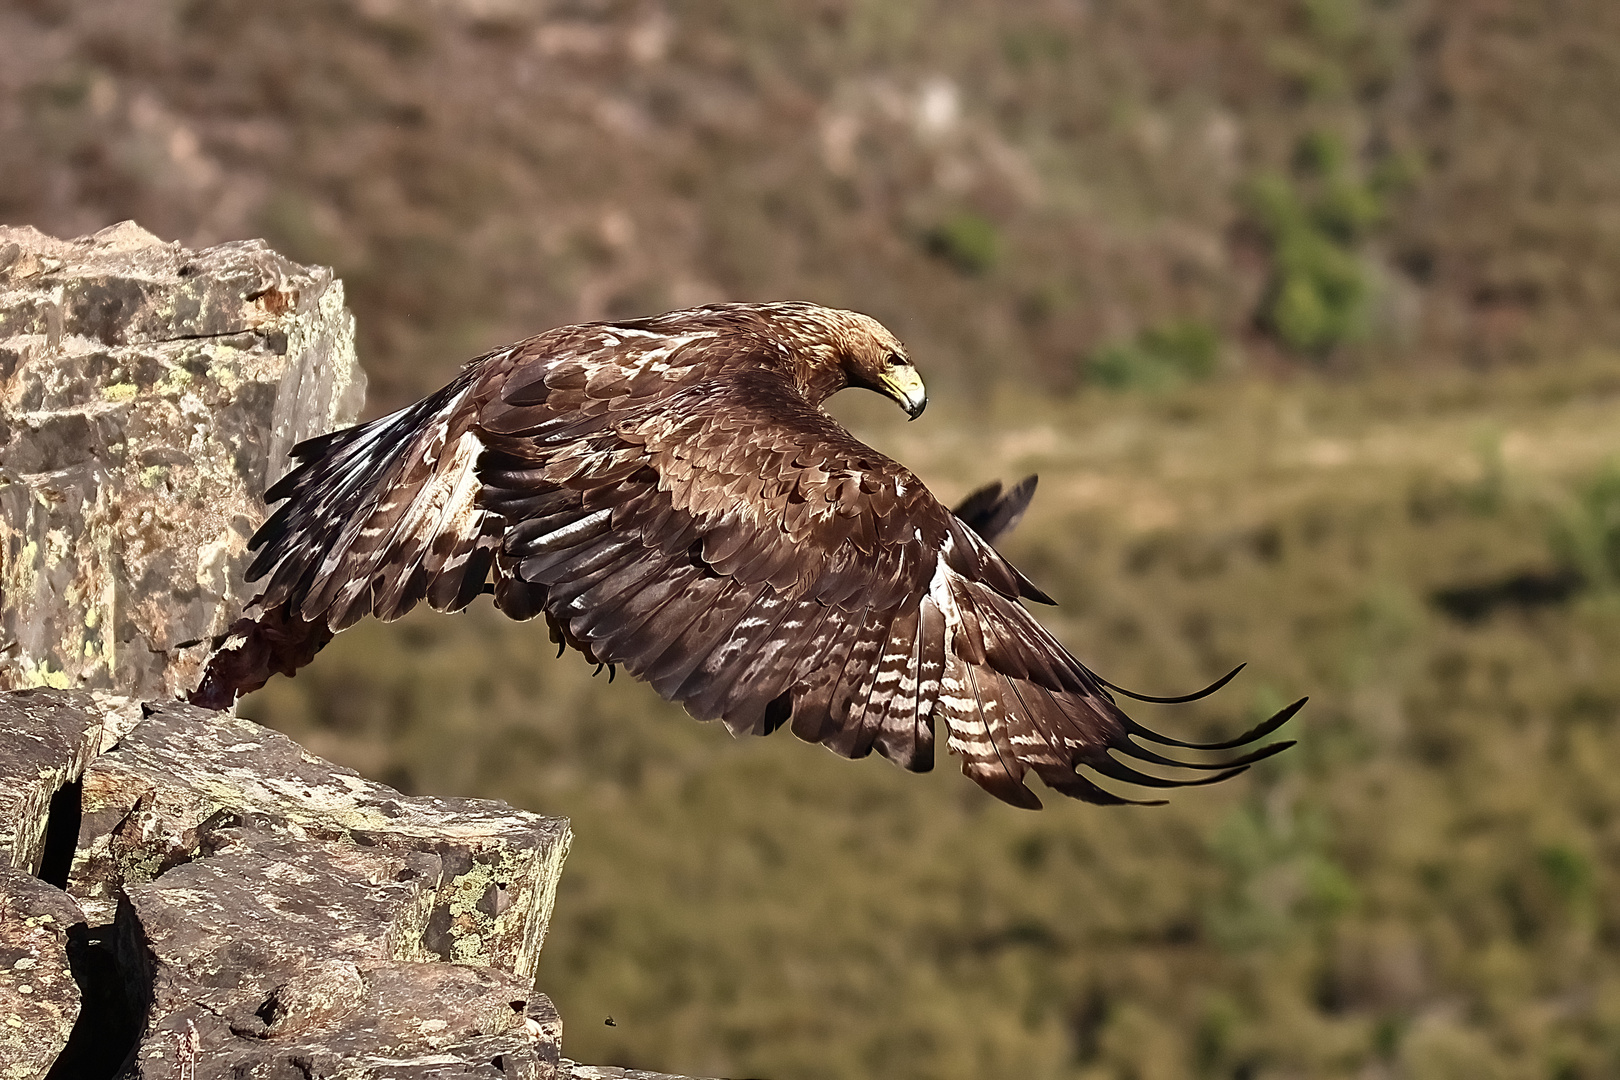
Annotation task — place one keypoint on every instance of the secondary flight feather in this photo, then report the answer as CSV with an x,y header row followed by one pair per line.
x,y
670,496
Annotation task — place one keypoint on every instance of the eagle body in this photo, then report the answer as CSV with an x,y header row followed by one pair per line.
x,y
669,494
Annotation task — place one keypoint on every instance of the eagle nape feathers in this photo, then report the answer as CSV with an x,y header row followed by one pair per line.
x,y
670,496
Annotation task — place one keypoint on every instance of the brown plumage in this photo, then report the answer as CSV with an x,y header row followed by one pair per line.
x,y
669,494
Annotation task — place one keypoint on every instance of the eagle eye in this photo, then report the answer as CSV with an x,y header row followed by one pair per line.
x,y
896,360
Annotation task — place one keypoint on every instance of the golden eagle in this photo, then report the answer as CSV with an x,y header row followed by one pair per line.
x,y
669,494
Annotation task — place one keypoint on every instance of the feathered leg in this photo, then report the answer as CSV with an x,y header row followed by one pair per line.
x,y
259,644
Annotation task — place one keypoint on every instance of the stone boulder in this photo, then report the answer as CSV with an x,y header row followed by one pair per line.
x,y
459,880
39,1000
249,910
148,394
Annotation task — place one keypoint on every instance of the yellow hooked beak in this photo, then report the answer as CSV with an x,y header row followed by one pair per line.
x,y
904,385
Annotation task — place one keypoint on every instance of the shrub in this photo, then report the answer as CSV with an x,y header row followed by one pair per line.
x,y
1158,358
1314,220
968,241
1587,536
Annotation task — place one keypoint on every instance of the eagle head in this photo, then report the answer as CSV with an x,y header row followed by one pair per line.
x,y
847,348
874,359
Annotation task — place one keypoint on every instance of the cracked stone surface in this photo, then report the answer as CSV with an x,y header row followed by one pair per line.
x,y
148,394
46,740
273,915
263,955
39,1001
475,880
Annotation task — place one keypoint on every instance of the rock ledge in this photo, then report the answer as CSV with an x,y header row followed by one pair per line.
x,y
263,910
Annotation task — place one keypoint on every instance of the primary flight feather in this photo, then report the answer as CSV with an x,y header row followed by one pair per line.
x,y
670,495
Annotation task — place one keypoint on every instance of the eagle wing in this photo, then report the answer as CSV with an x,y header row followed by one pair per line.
x,y
379,517
740,551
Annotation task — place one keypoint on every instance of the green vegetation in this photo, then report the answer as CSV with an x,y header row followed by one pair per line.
x,y
1158,358
1314,222
1007,183
1317,297
1427,886
1587,535
966,240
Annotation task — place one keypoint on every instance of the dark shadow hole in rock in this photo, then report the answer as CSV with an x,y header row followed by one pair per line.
x,y
104,1036
270,1011
436,938
62,835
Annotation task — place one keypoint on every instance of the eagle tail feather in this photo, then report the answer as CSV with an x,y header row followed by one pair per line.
x,y
760,708
1115,769
992,512
680,668
756,648
1142,753
731,636
1007,768
852,735
893,696
820,668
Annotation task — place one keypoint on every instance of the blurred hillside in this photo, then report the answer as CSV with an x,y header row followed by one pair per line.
x,y
1307,312
1019,187
1427,887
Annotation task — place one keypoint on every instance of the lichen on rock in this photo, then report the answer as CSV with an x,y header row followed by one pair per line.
x,y
268,911
39,1001
481,876
148,396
